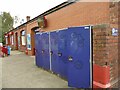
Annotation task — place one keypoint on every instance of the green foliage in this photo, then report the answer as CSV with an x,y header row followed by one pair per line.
x,y
0,29
6,24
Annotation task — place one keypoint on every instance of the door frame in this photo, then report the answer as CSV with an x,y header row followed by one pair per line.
x,y
91,52
33,39
16,40
91,56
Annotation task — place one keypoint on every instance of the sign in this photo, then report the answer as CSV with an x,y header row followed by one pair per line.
x,y
28,41
114,32
42,22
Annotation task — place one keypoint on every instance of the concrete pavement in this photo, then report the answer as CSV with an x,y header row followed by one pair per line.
x,y
20,71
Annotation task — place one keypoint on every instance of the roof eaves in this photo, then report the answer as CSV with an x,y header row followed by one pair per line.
x,y
64,4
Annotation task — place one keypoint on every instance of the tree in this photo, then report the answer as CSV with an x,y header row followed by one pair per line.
x,y
6,24
0,29
18,21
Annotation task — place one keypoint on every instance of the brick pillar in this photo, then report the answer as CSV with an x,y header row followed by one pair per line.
x,y
119,43
99,44
113,46
106,50
101,67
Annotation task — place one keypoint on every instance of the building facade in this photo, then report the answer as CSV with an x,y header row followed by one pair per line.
x,y
67,15
103,16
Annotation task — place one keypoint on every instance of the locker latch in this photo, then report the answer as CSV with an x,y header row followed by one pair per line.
x,y
43,51
35,51
70,58
59,54
51,52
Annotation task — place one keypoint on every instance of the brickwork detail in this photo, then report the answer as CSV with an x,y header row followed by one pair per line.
x,y
114,46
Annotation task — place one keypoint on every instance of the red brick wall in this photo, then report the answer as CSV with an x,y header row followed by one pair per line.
x,y
113,42
77,14
104,17
100,54
106,47
21,47
119,43
29,26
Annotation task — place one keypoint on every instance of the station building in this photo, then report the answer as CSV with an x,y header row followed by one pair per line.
x,y
62,16
103,16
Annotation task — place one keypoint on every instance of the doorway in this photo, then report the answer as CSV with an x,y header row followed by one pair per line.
x,y
33,32
16,40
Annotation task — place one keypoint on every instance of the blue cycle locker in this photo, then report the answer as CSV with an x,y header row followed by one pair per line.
x,y
54,52
38,49
45,50
79,57
67,53
42,50
62,53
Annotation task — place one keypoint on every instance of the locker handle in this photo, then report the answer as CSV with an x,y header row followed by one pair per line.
x,y
51,52
43,51
70,58
59,54
35,50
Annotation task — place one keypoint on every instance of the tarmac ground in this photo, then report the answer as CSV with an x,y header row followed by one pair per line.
x,y
19,71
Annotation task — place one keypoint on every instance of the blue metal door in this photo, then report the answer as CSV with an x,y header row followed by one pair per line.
x,y
45,50
62,53
38,48
79,57
54,52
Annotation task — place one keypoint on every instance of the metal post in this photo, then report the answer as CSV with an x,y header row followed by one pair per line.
x,y
49,53
91,71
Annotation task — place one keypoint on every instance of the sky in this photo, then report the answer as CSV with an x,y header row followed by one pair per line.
x,y
23,8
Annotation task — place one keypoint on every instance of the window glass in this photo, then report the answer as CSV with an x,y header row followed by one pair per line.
x,y
23,40
23,33
11,39
6,40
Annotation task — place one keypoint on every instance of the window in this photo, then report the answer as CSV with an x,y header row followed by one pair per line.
x,y
6,39
23,40
11,39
